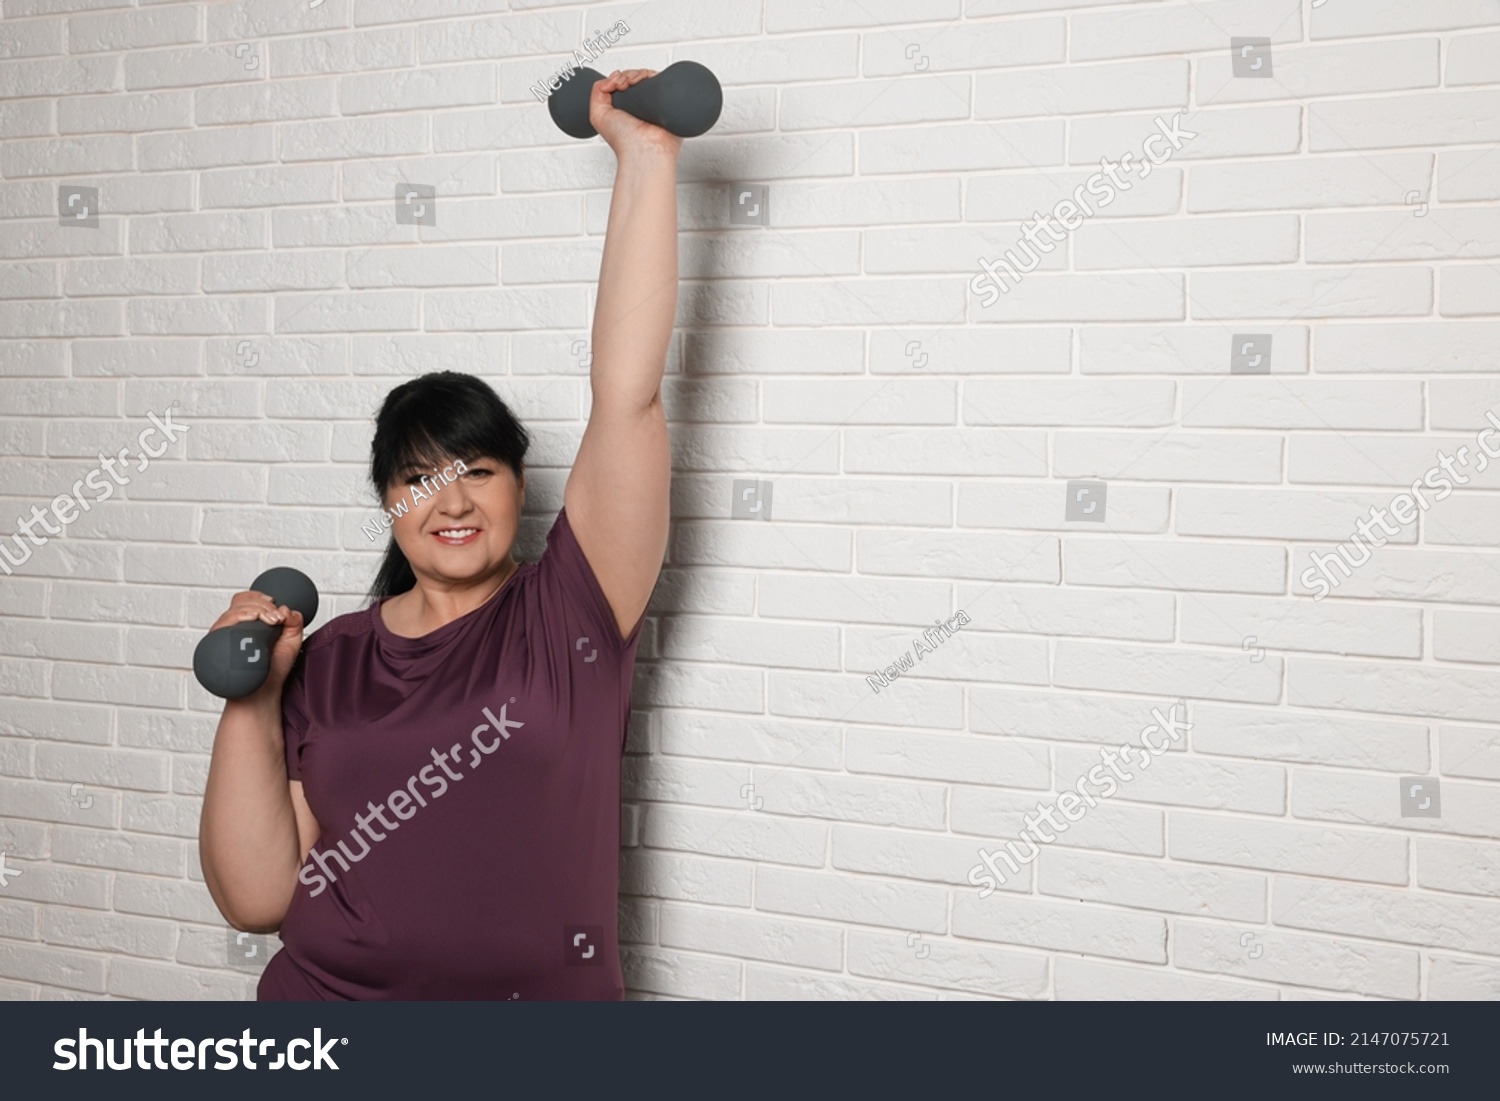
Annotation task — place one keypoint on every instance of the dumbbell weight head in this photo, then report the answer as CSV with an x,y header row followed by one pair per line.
x,y
684,99
233,661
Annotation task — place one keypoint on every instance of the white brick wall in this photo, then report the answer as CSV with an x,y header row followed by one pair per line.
x,y
791,833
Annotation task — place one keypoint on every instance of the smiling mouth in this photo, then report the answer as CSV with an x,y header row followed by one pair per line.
x,y
455,536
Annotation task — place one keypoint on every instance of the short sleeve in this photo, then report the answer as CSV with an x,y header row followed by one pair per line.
x,y
568,579
294,715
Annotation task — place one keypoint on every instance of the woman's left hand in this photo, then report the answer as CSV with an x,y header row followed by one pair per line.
x,y
622,130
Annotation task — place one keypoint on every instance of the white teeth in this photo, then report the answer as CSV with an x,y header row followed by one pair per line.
x,y
457,533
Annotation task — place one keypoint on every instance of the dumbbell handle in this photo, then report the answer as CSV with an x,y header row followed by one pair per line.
x,y
233,661
684,99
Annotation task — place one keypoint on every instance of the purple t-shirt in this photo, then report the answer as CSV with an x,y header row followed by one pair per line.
x,y
483,760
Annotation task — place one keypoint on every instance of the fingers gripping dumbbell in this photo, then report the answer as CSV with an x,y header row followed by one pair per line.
x,y
233,661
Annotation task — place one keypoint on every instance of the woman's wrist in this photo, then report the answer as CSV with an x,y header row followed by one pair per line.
x,y
261,710
649,155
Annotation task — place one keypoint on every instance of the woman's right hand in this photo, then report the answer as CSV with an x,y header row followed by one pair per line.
x,y
246,606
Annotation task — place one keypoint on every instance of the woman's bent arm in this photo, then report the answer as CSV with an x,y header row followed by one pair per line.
x,y
256,827
248,841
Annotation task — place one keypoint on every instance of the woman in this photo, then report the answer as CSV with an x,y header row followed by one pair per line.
x,y
425,800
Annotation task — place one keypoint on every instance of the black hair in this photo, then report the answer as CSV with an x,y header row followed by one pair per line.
x,y
427,422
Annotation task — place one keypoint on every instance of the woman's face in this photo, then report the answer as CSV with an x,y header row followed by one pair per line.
x,y
459,526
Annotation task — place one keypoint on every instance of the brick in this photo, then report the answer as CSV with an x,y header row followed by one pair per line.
x,y
108,933
1201,674
752,936
1312,293
1468,809
1280,514
785,985
1465,867
54,967
1044,610
1403,916
1118,297
1391,122
343,52
1310,738
1292,958
979,556
1283,847
875,102
1409,347
1218,133
967,655
1167,456
1469,752
1020,195
747,835
1470,290
995,817
1195,242
1462,176
1135,403
788,15
1393,17
1405,573
1217,566
851,901
1464,636
1089,980
810,745
1177,779
685,878
848,798
911,855
1395,689
979,46
1064,91
947,964
1305,72
1132,508
141,979
1309,182
1456,233
1296,625
961,147
1388,460
1040,924
954,757
1451,979
1152,885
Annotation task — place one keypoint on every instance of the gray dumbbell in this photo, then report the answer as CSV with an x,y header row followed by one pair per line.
x,y
233,661
684,99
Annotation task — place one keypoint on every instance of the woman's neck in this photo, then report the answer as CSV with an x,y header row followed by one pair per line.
x,y
426,608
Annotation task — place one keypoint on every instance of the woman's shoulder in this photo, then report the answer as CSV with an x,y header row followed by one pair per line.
x,y
349,625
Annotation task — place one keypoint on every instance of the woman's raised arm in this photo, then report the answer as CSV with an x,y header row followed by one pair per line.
x,y
617,495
